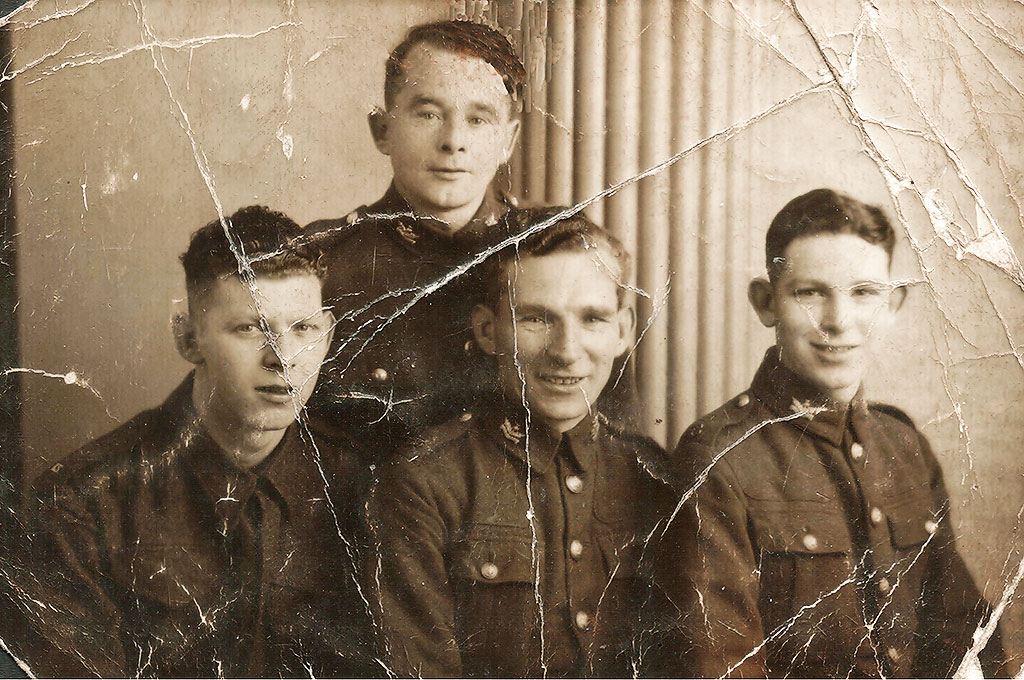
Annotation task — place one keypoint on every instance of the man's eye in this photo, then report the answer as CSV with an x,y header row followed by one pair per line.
x,y
532,319
597,318
807,293
868,291
247,328
427,115
477,121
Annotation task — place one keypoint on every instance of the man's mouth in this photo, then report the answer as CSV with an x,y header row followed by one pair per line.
x,y
448,172
562,380
837,350
280,390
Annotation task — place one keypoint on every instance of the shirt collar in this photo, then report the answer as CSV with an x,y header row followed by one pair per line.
x,y
420,234
788,396
287,473
534,443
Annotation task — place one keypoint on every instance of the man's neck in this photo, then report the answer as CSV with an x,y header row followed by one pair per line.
x,y
245,447
454,219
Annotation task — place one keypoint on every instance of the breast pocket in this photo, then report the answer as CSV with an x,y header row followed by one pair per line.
x,y
913,518
493,571
805,554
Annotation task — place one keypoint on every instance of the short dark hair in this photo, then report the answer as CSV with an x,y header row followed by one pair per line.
x,y
573,233
824,211
461,37
267,242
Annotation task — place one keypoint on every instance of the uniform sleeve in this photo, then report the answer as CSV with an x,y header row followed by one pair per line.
x,y
951,607
408,577
724,629
75,624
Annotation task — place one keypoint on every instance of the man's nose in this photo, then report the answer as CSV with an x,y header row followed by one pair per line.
x,y
453,135
564,343
837,313
279,351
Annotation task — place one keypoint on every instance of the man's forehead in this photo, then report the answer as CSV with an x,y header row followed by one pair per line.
x,y
827,257
432,71
589,272
289,289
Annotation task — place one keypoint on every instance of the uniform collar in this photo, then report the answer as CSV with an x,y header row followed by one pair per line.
x,y
283,475
421,234
533,442
787,395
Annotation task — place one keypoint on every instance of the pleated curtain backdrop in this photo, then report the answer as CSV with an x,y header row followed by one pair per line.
x,y
617,87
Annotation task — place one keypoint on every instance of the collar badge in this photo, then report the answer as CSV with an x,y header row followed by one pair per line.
x,y
806,408
511,432
407,232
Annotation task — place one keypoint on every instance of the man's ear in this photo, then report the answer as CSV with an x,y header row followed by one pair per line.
x,y
513,136
897,297
184,330
378,120
483,329
626,318
762,299
331,324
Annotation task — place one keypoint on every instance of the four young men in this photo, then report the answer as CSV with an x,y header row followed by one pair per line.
x,y
512,528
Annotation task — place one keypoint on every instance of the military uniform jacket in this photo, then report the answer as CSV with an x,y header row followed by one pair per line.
x,y
151,554
507,550
824,544
402,290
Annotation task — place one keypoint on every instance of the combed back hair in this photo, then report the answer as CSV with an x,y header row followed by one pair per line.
x,y
461,37
569,234
271,241
824,211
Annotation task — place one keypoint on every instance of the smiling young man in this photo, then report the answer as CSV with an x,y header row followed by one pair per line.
x,y
211,536
510,538
402,357
823,545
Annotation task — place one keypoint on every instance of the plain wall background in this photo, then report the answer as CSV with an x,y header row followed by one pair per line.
x,y
108,188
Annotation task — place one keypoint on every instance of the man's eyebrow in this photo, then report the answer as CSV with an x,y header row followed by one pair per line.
x,y
530,309
484,107
424,100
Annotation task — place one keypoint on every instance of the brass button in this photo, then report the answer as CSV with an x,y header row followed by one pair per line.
x,y
810,541
893,654
576,549
743,399
351,217
380,375
466,417
884,585
931,526
468,346
877,516
856,451
582,620
574,483
489,570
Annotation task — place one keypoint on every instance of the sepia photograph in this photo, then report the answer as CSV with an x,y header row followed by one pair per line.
x,y
512,338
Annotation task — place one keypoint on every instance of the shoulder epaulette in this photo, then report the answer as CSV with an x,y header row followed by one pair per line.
x,y
894,412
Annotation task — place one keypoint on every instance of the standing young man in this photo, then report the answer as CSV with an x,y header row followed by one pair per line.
x,y
402,357
510,538
211,536
824,544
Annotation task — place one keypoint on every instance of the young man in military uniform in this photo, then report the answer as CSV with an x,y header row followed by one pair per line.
x,y
510,538
211,536
400,276
824,543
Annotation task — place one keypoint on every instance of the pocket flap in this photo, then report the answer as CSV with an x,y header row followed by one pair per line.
x,y
500,555
801,530
621,552
912,522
